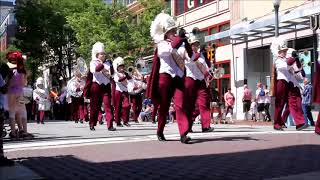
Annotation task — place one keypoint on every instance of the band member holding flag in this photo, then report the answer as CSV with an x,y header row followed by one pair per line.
x,y
100,90
166,79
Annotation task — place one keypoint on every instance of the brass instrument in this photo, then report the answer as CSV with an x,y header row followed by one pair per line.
x,y
81,67
137,80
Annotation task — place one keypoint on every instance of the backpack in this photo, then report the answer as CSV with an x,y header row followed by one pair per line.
x,y
262,93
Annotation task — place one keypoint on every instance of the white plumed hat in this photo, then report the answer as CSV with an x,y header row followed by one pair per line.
x,y
193,39
160,26
98,47
278,44
289,52
117,62
39,81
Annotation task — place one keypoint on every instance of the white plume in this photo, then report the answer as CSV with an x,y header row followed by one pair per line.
x,y
98,47
277,45
160,25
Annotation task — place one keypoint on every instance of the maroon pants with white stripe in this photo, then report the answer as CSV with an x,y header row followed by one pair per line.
x,y
172,87
136,101
122,107
197,93
100,94
287,93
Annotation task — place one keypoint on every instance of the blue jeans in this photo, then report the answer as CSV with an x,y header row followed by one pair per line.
x,y
307,114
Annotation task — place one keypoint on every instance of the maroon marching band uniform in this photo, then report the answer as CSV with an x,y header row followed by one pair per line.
x,y
196,90
75,87
287,92
121,99
136,100
166,78
100,90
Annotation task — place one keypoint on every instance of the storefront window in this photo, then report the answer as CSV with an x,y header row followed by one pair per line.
x,y
226,67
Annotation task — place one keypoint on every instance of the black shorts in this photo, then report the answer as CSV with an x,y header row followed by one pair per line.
x,y
260,107
246,105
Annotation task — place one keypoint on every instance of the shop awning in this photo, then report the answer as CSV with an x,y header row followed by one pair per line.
x,y
290,21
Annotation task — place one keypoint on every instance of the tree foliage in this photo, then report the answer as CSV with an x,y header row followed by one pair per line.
x,y
53,31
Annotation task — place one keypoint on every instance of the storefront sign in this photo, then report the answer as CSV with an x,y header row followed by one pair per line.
x,y
315,22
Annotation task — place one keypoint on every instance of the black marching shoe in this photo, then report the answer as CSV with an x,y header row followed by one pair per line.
x,y
278,128
153,122
119,125
6,162
161,137
302,126
127,124
112,129
185,139
101,122
76,121
190,130
136,121
92,128
81,121
207,130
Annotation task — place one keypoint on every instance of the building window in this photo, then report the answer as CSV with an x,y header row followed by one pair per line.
x,y
220,28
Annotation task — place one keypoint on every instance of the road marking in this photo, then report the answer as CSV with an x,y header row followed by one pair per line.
x,y
100,141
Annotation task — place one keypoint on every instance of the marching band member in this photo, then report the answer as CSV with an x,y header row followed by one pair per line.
x,y
75,89
195,86
165,79
286,88
136,96
41,96
122,81
316,94
100,86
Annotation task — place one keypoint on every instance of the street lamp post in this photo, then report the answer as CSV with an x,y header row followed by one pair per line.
x,y
276,5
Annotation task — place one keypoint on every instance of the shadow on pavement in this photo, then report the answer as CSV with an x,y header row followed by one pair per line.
x,y
235,138
258,164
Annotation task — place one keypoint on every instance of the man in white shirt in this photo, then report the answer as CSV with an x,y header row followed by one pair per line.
x,y
100,87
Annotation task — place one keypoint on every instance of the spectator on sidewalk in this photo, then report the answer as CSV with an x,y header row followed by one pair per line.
x,y
229,100
146,112
253,109
267,102
306,101
246,99
4,77
260,97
